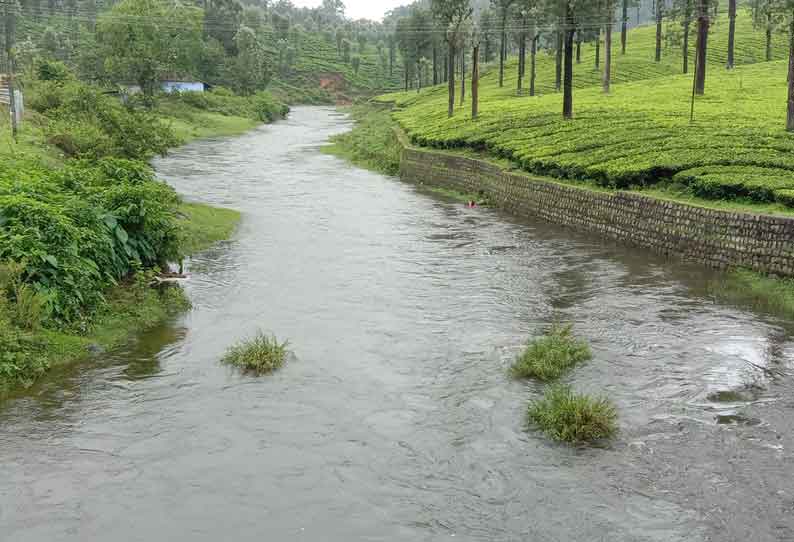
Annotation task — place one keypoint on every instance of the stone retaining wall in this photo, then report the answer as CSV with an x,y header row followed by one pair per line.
x,y
719,239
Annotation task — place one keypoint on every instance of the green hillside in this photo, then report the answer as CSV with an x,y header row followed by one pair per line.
x,y
318,59
639,134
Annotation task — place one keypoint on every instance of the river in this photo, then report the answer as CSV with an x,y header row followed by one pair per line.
x,y
395,418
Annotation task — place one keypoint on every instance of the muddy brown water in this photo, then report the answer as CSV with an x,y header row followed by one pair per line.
x,y
395,419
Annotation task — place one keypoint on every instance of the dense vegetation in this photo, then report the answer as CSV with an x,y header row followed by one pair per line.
x,y
302,55
640,133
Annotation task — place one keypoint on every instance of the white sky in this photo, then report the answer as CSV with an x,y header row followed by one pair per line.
x,y
360,9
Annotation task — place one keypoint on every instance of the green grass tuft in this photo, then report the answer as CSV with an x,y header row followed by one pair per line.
x,y
570,417
548,357
261,354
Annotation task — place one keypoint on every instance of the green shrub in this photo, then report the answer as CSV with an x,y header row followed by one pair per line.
x,y
785,196
21,355
548,357
260,354
82,228
53,70
570,417
86,123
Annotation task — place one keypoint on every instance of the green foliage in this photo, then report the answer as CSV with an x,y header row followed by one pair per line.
x,y
141,43
86,123
372,143
53,70
23,304
261,354
80,229
574,418
549,357
261,106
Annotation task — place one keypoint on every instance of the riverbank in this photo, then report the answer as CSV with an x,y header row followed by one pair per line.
x,y
131,307
462,174
124,306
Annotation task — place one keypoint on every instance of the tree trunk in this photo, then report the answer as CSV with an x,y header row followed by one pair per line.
x,y
435,65
608,55
578,48
658,56
462,74
475,79
731,31
451,78
567,93
598,49
533,51
558,61
502,53
790,102
624,27
768,34
685,46
521,59
702,43
406,78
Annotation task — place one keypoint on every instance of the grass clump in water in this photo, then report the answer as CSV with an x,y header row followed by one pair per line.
x,y
570,417
261,354
548,357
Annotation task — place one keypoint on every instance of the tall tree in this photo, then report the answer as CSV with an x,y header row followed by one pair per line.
x,y
679,28
701,46
609,16
789,7
486,34
659,17
451,16
475,74
503,9
522,15
624,26
731,31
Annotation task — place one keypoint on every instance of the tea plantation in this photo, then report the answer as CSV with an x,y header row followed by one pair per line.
x,y
640,134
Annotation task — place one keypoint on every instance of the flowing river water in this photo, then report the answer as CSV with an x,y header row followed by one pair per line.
x,y
395,418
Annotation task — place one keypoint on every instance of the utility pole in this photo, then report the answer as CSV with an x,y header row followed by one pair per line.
x,y
10,29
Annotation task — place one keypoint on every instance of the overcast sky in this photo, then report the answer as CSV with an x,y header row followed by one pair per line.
x,y
360,9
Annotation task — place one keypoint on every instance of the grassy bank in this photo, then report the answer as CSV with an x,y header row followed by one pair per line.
x,y
130,307
372,143
86,225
